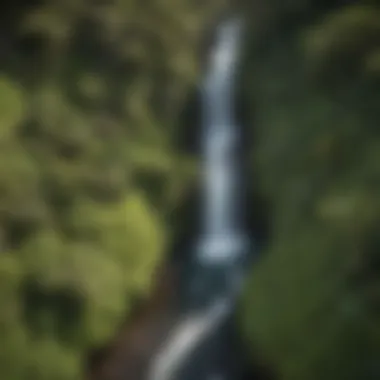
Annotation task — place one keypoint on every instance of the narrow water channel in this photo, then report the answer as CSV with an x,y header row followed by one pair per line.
x,y
200,346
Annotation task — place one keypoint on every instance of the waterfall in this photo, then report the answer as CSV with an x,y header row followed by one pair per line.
x,y
197,347
223,236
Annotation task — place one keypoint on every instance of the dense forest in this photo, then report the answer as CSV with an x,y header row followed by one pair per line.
x,y
94,181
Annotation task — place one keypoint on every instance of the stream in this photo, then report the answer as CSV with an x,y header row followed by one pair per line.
x,y
200,345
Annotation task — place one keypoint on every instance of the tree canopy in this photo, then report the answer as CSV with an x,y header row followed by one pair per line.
x,y
310,306
91,98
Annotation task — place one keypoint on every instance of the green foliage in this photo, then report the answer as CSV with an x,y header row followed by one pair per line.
x,y
12,108
310,306
345,40
89,97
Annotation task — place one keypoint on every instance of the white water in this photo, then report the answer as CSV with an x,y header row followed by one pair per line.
x,y
223,237
185,337
216,272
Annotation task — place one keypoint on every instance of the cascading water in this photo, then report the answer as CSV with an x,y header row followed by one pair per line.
x,y
223,236
197,348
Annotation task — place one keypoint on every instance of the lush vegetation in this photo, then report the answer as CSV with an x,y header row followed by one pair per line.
x,y
312,303
91,95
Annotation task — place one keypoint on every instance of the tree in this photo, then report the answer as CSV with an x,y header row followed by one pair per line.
x,y
88,170
311,302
